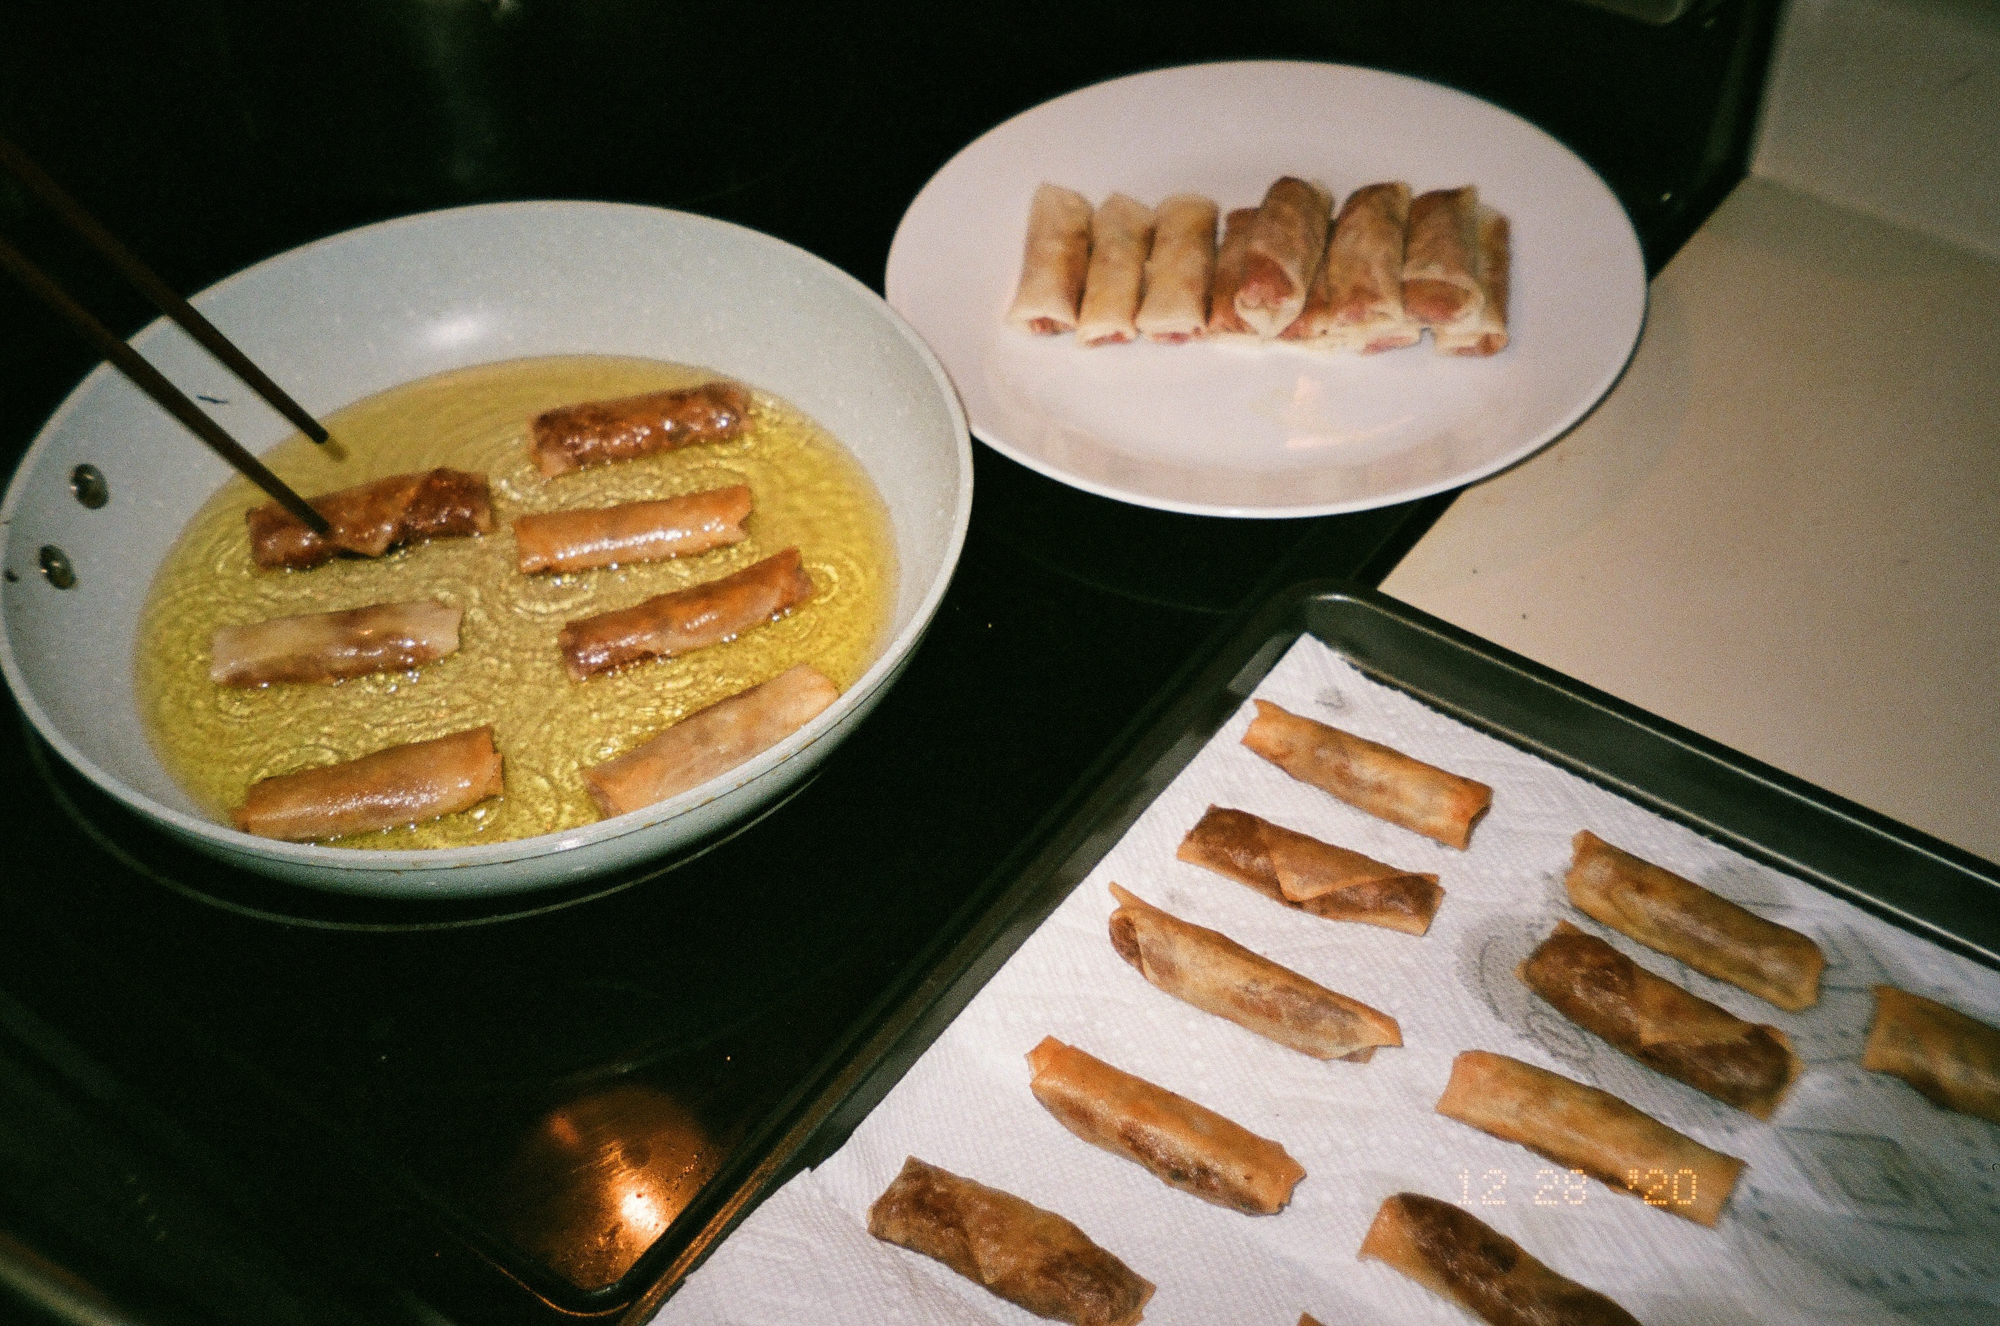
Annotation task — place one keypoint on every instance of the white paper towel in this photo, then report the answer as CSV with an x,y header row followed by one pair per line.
x,y
1862,1201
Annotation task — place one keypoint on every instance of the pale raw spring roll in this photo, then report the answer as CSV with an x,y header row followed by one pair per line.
x,y
1179,270
1052,267
1485,332
1664,1027
1230,256
1218,975
1007,1246
1184,1145
332,646
1121,235
1364,274
563,541
401,785
599,432
1953,1059
369,519
1684,920
1383,782
1286,246
1313,876
710,742
1441,258
667,625
1586,1129
1459,1257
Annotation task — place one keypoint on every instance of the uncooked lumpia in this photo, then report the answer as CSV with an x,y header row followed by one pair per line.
x,y
1286,245
332,646
1179,270
1053,264
1484,332
1441,257
1121,235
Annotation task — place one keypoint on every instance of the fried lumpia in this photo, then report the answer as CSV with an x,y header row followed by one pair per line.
x,y
1185,1145
1121,235
1386,783
1684,920
369,519
598,432
401,785
1951,1058
1303,872
1661,1025
710,742
1033,1258
332,646
1217,975
1364,274
1459,1257
686,619
1286,246
1053,265
1179,270
1583,1128
1441,258
632,532
1223,321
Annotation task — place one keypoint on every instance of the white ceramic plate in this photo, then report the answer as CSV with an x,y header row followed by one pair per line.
x,y
1251,431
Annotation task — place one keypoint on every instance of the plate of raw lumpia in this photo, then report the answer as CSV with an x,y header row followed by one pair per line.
x,y
1270,289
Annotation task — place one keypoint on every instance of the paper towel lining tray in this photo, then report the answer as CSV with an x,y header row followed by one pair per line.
x,y
1928,887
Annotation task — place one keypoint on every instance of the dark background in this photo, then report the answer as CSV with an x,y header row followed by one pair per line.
x,y
211,1116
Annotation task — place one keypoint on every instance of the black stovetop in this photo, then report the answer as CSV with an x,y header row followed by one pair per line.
x,y
215,1115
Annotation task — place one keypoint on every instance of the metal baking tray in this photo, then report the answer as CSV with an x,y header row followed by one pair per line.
x,y
1934,890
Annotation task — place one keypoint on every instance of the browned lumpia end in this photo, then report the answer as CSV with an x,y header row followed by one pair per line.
x,y
1286,244
1460,1257
564,541
369,519
1683,920
1184,1145
1661,1025
686,619
1303,872
1953,1059
1008,1246
400,785
1121,235
1441,257
1230,256
1216,974
598,432
1053,264
1582,1128
1179,271
332,646
1377,779
1364,278
710,742
1485,332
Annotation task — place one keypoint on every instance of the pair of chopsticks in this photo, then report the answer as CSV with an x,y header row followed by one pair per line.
x,y
129,362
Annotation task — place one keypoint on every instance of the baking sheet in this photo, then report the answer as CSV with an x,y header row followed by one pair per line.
x,y
1862,1201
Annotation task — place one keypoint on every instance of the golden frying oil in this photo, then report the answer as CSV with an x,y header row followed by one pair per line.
x,y
508,671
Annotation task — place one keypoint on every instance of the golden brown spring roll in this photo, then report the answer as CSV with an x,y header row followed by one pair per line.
x,y
400,785
1179,271
632,531
1485,332
1583,1128
710,742
1951,1058
1287,243
1384,782
1033,1258
371,518
1223,322
1185,1145
331,646
1052,267
1684,920
1216,974
1121,236
1364,260
686,619
1303,872
598,432
1441,257
1661,1025
1459,1257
